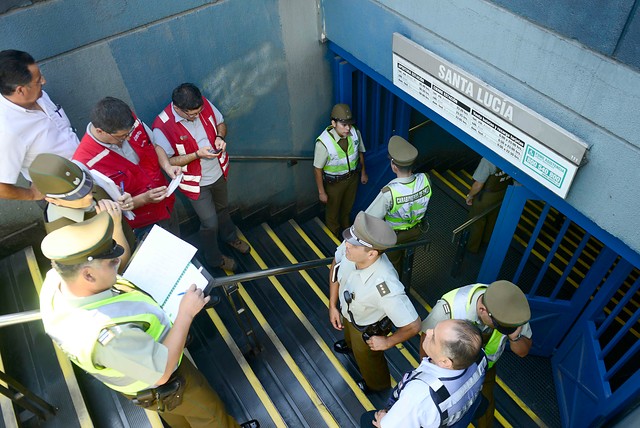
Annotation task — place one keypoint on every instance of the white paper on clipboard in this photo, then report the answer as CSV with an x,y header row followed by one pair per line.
x,y
112,189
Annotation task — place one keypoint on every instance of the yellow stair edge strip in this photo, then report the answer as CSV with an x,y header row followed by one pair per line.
x,y
84,419
286,356
246,368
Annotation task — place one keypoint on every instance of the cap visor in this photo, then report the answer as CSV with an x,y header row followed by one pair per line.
x,y
116,251
86,188
350,238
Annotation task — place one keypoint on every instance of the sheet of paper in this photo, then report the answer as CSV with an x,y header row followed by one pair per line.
x,y
174,184
159,262
191,276
112,189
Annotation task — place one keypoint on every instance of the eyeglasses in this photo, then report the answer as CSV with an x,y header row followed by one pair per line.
x,y
192,113
122,139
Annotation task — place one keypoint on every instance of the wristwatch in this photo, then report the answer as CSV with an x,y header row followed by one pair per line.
x,y
518,337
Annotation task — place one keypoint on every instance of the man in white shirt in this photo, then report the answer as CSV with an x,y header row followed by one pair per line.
x,y
30,123
444,389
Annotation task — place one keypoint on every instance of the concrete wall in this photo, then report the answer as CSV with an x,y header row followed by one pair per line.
x,y
610,27
259,61
590,95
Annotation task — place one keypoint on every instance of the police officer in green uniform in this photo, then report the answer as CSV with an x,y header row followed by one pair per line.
x,y
338,162
119,334
403,202
502,313
371,298
72,196
488,188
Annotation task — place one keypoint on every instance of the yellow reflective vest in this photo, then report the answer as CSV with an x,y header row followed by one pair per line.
x,y
459,301
339,162
78,330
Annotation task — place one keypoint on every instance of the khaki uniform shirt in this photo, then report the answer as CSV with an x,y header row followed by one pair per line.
x,y
376,292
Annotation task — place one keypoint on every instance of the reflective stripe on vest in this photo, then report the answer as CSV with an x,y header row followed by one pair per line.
x,y
410,202
78,330
459,301
453,396
339,163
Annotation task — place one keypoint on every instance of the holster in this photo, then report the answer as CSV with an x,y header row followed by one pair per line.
x,y
380,328
164,398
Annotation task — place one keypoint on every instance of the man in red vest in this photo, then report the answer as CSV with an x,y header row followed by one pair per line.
x,y
192,132
119,145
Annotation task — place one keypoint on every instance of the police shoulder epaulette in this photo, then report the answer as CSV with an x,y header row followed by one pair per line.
x,y
106,335
446,308
385,189
383,289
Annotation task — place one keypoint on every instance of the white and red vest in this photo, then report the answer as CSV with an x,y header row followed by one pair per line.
x,y
183,143
137,179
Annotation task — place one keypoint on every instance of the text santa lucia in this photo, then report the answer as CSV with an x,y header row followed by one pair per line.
x,y
463,85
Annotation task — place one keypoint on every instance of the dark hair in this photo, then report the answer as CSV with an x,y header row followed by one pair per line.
x,y
187,97
112,115
405,169
14,70
464,350
69,272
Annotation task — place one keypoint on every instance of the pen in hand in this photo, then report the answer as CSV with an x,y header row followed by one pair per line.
x,y
122,187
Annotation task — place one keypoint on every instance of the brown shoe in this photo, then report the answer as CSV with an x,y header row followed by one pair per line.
x,y
228,264
240,245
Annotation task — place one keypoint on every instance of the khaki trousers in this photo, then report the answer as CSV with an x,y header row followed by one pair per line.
x,y
372,364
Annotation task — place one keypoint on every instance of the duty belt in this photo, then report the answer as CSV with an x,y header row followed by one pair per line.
x,y
329,178
163,398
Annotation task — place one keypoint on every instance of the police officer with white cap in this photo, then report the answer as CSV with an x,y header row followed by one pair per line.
x,y
366,299
502,313
118,333
73,196
403,202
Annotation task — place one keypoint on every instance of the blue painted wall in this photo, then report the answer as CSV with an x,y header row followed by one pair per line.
x,y
259,61
593,96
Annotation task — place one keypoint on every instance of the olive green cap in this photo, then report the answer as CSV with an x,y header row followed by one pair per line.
x,y
82,242
371,232
342,112
60,178
402,153
507,304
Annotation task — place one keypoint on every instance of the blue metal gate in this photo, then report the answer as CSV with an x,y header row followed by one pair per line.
x,y
582,283
584,302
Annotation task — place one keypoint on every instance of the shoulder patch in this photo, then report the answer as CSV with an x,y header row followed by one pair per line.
x,y
385,189
106,336
446,308
383,289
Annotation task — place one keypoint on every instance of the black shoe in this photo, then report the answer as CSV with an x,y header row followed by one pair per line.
x,y
214,300
341,347
363,386
250,424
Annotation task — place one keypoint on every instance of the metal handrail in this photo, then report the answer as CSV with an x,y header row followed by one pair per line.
x,y
472,220
250,276
34,315
20,317
287,158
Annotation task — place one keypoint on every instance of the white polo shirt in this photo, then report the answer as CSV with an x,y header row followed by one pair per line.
x,y
24,134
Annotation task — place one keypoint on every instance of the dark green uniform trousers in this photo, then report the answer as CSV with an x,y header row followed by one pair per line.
x,y
404,236
372,364
340,198
480,231
486,420
201,406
